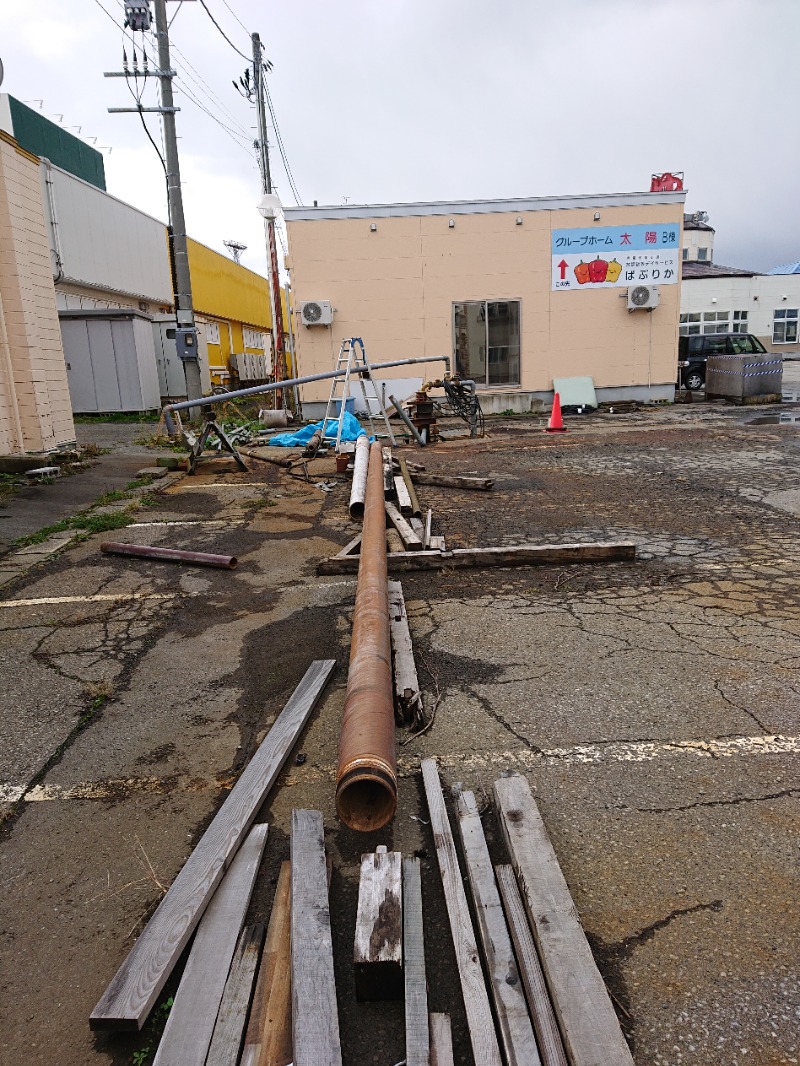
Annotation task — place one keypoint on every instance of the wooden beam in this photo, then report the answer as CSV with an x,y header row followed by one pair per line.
x,y
353,547
511,1008
190,1025
416,987
127,1001
403,498
426,538
476,1002
394,546
227,1039
447,481
409,537
315,1020
412,492
406,683
589,1027
268,1041
521,555
544,1020
441,1040
378,943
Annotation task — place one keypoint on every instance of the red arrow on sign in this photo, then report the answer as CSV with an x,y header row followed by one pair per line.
x,y
562,266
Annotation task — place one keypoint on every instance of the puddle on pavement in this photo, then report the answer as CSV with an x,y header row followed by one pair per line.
x,y
791,395
783,418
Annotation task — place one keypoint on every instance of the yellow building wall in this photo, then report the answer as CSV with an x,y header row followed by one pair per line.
x,y
395,286
35,408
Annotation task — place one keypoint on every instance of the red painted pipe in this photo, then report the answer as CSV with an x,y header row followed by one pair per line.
x,y
170,555
366,778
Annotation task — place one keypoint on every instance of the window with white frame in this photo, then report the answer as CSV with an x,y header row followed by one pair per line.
x,y
253,338
212,332
784,325
713,322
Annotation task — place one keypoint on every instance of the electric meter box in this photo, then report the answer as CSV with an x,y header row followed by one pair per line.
x,y
186,343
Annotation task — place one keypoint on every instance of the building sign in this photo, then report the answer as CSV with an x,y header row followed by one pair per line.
x,y
616,256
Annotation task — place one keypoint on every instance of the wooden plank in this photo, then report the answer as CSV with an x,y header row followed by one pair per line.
x,y
409,537
388,473
315,1021
418,526
227,1039
393,543
544,1020
353,547
404,504
511,1008
378,942
441,1040
190,1025
127,1001
412,492
268,1041
416,988
406,683
476,1002
589,1027
437,544
447,481
426,539
521,555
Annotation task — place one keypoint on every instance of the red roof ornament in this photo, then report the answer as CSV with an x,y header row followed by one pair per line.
x,y
667,182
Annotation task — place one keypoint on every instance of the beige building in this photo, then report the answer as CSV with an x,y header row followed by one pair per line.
x,y
517,292
35,411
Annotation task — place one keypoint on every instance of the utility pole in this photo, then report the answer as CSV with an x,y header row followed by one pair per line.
x,y
279,358
186,332
137,14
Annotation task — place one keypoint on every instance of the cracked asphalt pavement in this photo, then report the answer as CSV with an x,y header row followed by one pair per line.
x,y
652,705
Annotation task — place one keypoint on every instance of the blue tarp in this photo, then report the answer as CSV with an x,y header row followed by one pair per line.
x,y
351,430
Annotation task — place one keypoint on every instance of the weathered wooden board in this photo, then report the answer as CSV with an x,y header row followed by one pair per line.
x,y
522,555
410,538
416,509
127,1001
589,1027
190,1025
416,988
545,1025
426,537
441,1040
447,481
378,943
268,1041
353,547
227,1039
476,1001
408,698
315,1020
505,986
404,504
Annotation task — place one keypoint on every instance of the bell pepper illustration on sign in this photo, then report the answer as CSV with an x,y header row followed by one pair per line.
x,y
597,270
582,272
614,270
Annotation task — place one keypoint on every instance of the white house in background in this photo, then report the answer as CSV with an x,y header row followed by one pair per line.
x,y
698,238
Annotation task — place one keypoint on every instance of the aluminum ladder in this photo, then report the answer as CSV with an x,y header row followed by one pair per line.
x,y
353,360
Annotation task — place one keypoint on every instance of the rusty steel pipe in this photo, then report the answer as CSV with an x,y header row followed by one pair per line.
x,y
170,555
366,777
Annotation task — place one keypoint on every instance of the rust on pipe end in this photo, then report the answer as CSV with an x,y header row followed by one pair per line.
x,y
366,796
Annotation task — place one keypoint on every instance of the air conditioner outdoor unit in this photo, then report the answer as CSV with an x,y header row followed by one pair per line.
x,y
316,313
643,298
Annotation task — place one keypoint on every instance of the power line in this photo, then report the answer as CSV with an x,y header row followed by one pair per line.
x,y
281,147
225,2
224,34
202,86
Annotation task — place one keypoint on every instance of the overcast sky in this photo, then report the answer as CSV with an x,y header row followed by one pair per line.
x,y
401,100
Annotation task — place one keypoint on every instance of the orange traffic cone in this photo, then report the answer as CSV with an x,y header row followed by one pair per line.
x,y
556,423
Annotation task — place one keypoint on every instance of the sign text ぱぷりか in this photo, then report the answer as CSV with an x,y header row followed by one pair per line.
x,y
615,256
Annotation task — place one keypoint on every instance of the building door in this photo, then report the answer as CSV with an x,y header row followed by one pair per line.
x,y
486,341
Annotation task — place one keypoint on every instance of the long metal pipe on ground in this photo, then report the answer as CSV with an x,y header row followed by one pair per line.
x,y
358,492
366,777
170,555
258,390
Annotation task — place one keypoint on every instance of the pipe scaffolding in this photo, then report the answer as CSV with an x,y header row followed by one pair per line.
x,y
366,777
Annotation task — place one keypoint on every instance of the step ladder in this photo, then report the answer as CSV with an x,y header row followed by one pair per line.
x,y
353,360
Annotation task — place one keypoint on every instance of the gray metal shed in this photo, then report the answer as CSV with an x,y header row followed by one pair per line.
x,y
111,361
